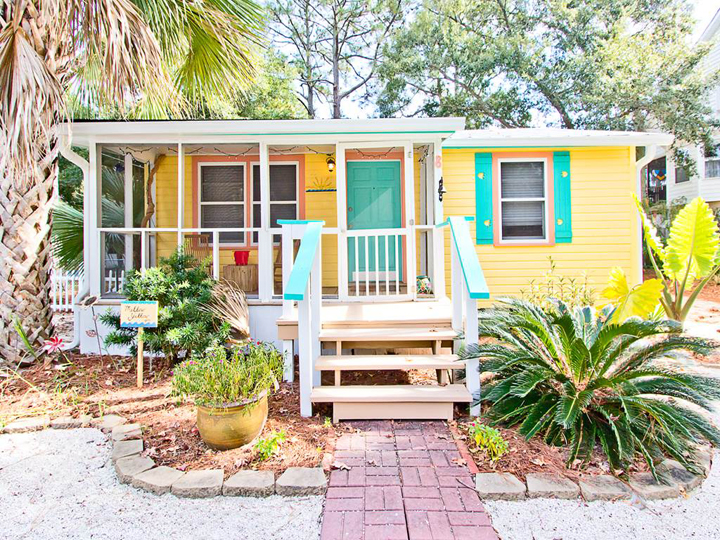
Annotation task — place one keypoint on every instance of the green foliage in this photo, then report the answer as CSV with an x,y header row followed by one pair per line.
x,y
218,376
638,301
182,287
573,291
690,255
272,97
267,447
70,180
489,440
574,64
576,379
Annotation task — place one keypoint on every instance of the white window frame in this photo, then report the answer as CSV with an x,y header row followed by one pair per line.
x,y
544,199
253,202
243,203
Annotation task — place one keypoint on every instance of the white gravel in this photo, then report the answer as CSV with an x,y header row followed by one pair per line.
x,y
60,484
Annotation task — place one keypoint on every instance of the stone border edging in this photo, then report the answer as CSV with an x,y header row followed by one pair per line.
x,y
507,487
131,467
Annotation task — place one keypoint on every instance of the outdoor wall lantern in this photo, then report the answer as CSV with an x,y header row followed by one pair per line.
x,y
441,190
330,163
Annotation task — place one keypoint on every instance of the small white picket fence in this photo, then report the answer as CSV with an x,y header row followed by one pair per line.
x,y
65,286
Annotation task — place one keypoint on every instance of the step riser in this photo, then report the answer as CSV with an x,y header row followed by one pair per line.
x,y
410,410
440,325
418,344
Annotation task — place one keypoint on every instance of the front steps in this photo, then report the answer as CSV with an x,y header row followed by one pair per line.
x,y
390,402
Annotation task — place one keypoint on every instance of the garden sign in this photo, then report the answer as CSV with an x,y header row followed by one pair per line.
x,y
140,315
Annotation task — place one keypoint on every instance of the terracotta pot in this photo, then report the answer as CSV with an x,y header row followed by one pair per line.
x,y
235,425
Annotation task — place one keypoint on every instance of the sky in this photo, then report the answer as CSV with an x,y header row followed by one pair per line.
x,y
704,11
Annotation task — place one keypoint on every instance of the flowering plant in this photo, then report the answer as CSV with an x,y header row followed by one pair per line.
x,y
53,345
223,377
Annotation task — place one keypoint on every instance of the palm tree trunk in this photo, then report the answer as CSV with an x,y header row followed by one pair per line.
x,y
25,251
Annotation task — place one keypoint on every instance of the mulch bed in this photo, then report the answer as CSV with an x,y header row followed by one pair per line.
x,y
91,385
535,456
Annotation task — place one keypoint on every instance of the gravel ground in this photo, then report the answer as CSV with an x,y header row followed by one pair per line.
x,y
60,484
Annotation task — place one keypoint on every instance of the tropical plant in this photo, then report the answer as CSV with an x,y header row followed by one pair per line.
x,y
181,286
137,57
575,378
218,377
638,301
690,257
552,286
489,440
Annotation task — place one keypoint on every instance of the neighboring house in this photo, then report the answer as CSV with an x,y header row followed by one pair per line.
x,y
706,183
338,218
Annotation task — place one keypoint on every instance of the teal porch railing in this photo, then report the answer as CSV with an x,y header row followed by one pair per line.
x,y
468,285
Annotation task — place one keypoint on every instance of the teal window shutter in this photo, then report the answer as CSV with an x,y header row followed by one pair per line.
x,y
483,198
563,202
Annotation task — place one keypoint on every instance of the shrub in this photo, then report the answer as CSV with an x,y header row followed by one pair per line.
x,y
219,377
574,378
489,440
182,287
552,286
267,447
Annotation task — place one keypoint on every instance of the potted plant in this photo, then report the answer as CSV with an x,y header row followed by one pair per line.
x,y
230,388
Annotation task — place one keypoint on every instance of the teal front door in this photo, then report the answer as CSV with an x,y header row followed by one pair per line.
x,y
374,202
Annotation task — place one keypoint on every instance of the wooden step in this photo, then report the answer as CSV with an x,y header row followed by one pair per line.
x,y
390,361
391,402
387,334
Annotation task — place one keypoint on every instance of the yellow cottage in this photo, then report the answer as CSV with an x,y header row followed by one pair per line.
x,y
360,243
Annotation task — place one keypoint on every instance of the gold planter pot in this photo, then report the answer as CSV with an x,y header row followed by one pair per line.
x,y
232,426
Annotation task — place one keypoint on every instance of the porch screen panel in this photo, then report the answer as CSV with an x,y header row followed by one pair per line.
x,y
522,200
222,200
283,195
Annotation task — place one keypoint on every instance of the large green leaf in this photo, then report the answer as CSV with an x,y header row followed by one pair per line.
x,y
693,242
638,301
652,239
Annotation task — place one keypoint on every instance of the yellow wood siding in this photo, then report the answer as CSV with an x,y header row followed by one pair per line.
x,y
323,205
605,231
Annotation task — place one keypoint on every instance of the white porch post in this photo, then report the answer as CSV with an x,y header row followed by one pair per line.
x,y
410,218
438,269
216,255
288,237
305,338
265,247
180,192
128,208
93,254
315,311
472,376
341,186
456,291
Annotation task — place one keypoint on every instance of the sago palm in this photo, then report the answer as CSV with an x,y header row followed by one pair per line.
x,y
577,379
140,57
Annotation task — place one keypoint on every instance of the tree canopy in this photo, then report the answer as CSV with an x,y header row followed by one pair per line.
x,y
591,64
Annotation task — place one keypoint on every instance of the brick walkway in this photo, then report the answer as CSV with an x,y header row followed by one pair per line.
x,y
404,482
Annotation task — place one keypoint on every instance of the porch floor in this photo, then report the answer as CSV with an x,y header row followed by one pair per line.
x,y
376,314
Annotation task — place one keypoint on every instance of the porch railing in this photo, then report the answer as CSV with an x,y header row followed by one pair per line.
x,y
376,264
304,285
468,286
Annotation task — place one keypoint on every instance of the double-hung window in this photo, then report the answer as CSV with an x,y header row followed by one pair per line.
x,y
523,200
222,200
283,195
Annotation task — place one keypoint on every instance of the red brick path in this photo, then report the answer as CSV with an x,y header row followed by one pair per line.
x,y
406,481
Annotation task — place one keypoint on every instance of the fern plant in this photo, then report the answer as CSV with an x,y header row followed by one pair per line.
x,y
575,378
